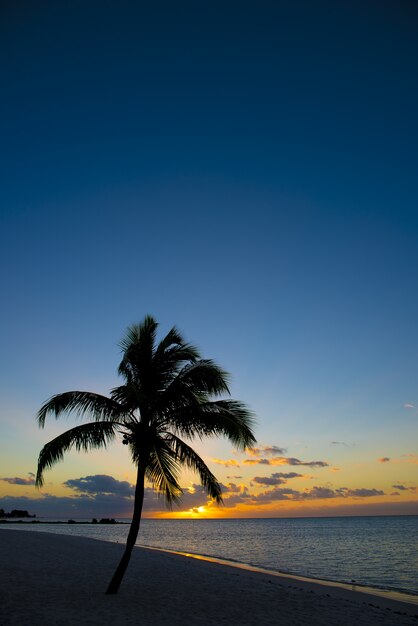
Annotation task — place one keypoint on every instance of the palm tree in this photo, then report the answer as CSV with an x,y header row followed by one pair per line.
x,y
167,395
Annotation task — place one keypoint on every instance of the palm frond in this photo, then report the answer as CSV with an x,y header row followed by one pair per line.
x,y
142,333
228,418
173,351
168,365
128,395
84,437
138,347
81,403
172,338
187,456
201,379
163,469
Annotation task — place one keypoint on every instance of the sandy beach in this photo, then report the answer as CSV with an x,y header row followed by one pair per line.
x,y
55,579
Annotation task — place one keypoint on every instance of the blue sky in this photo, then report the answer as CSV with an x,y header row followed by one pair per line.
x,y
246,172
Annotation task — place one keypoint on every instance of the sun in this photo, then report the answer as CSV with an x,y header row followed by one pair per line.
x,y
193,513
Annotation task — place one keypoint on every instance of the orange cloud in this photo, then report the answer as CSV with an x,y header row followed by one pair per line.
x,y
228,463
411,458
266,450
285,460
241,496
384,459
257,462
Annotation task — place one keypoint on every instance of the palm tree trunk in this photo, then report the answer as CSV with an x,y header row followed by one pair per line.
x,y
132,535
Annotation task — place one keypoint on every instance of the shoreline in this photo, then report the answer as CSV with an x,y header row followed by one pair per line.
x,y
62,579
389,594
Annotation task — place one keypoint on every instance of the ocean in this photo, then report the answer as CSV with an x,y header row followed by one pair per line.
x,y
378,552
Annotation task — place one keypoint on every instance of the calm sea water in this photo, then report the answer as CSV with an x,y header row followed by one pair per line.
x,y
374,551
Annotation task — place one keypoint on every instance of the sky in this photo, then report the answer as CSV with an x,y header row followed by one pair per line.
x,y
244,171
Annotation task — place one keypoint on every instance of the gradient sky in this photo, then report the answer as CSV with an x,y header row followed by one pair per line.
x,y
245,171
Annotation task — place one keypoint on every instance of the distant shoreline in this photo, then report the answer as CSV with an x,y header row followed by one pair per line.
x,y
37,521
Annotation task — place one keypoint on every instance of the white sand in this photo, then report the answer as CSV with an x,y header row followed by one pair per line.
x,y
50,579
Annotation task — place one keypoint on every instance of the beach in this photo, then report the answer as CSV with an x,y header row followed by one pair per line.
x,y
61,580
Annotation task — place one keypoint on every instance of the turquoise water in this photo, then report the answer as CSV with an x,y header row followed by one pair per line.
x,y
375,551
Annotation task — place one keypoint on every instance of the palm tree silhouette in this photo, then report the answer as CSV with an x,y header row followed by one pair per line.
x,y
167,394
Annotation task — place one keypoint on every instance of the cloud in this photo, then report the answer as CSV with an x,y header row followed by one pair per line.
x,y
340,443
234,477
232,488
411,458
292,495
100,496
20,481
268,480
257,462
317,493
362,493
279,493
342,492
101,484
403,488
228,463
293,461
384,459
288,475
102,488
282,460
267,450
112,498
194,497
237,498
279,478
234,494
81,506
409,405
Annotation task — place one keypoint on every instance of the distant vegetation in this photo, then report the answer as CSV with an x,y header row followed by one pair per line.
x,y
19,515
104,520
14,514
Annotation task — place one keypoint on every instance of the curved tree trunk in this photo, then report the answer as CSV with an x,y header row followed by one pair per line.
x,y
132,535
